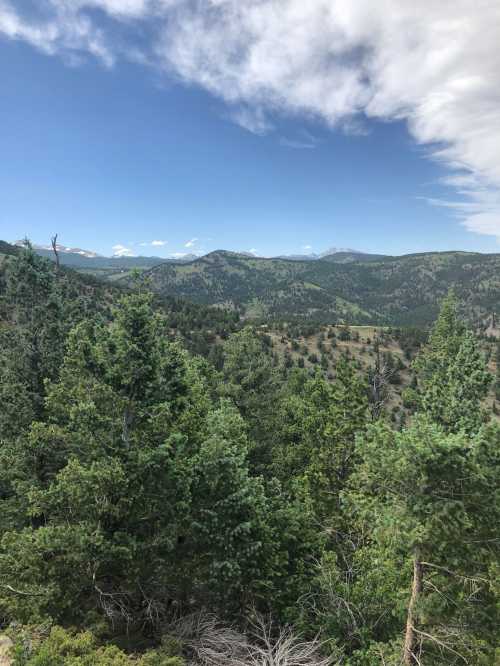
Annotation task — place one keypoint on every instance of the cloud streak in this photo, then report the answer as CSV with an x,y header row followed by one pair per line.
x,y
297,144
435,65
120,250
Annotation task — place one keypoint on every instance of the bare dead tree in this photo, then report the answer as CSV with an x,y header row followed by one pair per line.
x,y
215,644
53,241
410,643
379,381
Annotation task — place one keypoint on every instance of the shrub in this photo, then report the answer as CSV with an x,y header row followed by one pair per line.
x,y
410,398
65,648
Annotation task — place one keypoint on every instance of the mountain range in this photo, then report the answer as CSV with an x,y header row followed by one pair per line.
x,y
359,289
346,285
62,249
91,261
88,259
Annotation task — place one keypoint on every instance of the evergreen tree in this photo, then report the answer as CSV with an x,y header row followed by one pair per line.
x,y
452,374
229,533
33,343
315,435
250,379
114,483
431,498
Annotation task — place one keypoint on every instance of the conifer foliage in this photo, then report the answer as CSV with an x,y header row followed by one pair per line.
x,y
144,490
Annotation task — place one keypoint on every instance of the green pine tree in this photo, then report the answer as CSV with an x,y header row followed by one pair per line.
x,y
430,499
452,373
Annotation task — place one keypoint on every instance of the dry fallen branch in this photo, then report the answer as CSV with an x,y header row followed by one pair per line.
x,y
213,644
23,594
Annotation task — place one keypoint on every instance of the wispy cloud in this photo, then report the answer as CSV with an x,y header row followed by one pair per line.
x,y
254,120
435,65
191,243
120,250
305,141
479,208
297,144
307,247
61,30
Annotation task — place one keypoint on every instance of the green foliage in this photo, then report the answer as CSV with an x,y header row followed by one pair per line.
x,y
411,398
229,533
250,380
136,459
33,303
400,291
65,648
433,497
452,374
140,483
315,434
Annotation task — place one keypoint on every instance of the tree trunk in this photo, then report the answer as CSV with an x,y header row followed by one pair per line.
x,y
53,240
416,590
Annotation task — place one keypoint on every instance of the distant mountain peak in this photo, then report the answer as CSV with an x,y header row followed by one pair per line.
x,y
313,256
338,250
61,248
248,253
181,257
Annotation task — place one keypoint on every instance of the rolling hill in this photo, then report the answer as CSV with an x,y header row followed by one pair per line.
x,y
7,248
345,286
402,290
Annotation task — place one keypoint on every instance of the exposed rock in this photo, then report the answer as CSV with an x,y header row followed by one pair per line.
x,y
5,646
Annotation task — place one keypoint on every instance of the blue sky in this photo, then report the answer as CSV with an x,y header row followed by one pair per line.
x,y
119,152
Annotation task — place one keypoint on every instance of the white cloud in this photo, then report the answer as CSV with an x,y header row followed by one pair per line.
x,y
155,243
307,247
191,243
120,250
253,120
303,141
435,65
298,144
64,30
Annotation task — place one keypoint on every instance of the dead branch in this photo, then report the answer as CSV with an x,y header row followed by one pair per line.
x,y
53,241
436,640
114,604
214,644
467,579
23,594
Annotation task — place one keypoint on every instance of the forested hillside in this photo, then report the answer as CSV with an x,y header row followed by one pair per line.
x,y
178,489
402,291
346,286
